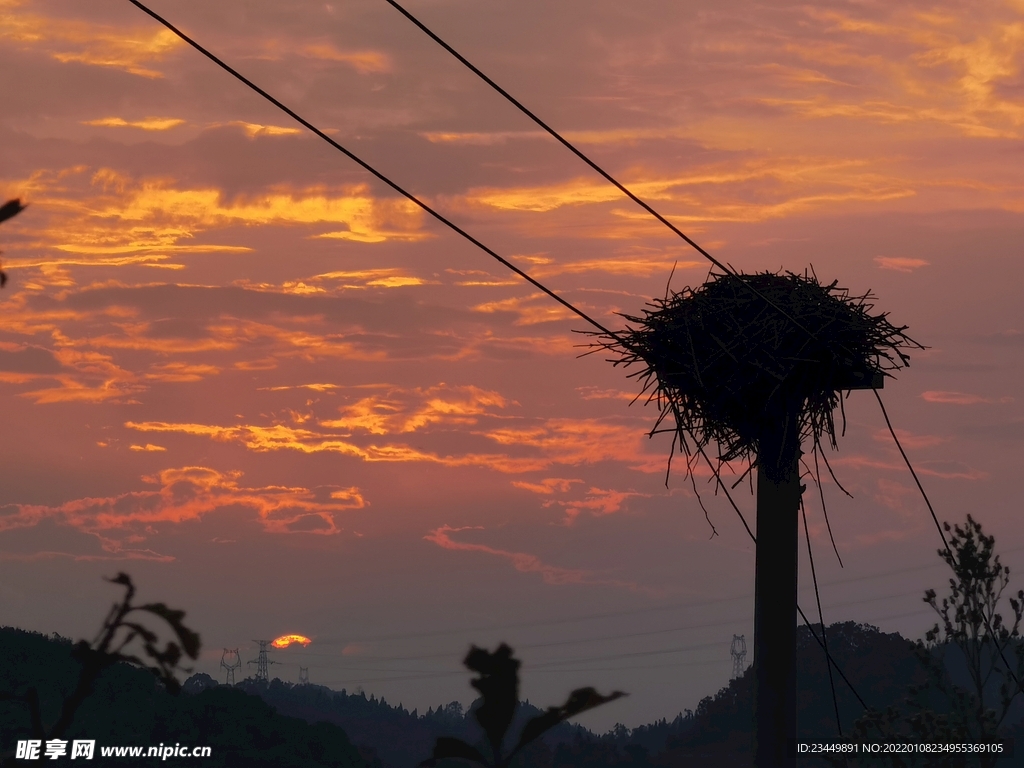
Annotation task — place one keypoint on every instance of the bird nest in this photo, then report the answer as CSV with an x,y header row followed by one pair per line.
x,y
744,359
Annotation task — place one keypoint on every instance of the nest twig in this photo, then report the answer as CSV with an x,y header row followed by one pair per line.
x,y
735,360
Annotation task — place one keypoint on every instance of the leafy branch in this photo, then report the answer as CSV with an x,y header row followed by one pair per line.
x,y
118,640
498,684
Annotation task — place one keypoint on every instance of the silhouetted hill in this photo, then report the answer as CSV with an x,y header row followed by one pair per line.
x,y
281,725
130,708
398,737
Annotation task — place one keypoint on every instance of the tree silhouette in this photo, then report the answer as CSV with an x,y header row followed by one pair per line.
x,y
118,640
971,633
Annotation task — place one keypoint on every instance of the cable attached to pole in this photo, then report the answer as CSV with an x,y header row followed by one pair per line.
x,y
557,136
807,622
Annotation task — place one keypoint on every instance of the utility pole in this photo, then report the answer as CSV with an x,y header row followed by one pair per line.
x,y
748,365
775,579
775,589
738,650
262,662
230,661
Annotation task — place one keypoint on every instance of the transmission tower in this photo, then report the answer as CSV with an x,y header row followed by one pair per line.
x,y
303,675
230,661
738,649
262,662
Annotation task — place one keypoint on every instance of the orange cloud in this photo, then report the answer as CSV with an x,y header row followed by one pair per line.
x,y
388,277
583,441
188,494
555,442
71,40
314,387
547,486
147,124
281,437
784,186
532,309
289,342
364,62
598,502
636,266
594,393
442,404
109,219
182,371
95,378
147,447
947,67
252,130
629,135
366,219
900,263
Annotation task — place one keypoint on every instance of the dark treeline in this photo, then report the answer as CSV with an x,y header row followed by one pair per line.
x,y
129,707
284,725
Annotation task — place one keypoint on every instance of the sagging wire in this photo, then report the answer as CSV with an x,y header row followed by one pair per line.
x,y
942,535
366,166
821,495
828,656
726,268
821,616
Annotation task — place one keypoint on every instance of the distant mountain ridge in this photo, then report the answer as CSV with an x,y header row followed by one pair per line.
x,y
283,725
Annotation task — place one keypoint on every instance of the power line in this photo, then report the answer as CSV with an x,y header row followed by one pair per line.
x,y
648,633
810,628
945,544
821,618
634,612
408,674
439,217
366,166
603,173
558,137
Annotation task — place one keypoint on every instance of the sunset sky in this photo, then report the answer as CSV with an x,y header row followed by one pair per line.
x,y
236,366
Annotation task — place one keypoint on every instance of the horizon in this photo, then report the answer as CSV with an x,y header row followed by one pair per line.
x,y
284,400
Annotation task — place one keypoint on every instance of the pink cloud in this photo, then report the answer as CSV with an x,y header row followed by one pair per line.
x,y
959,398
909,439
898,497
951,470
900,263
521,561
